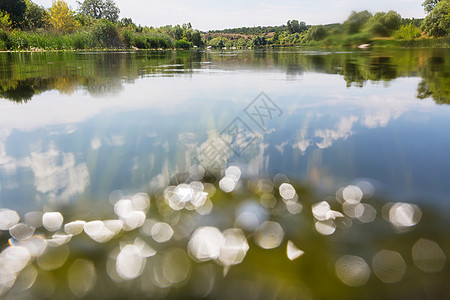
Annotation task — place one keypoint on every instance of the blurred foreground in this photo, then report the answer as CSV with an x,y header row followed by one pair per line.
x,y
224,237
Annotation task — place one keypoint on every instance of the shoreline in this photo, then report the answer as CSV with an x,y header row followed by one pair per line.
x,y
371,44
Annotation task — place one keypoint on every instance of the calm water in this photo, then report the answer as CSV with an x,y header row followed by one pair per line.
x,y
79,131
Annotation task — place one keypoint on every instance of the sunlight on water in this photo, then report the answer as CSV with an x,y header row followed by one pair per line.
x,y
368,215
53,258
389,266
428,256
227,184
52,221
74,227
129,262
175,265
327,227
21,231
352,270
292,251
58,240
135,257
269,235
205,243
120,186
81,277
8,218
161,232
233,251
404,215
352,194
287,191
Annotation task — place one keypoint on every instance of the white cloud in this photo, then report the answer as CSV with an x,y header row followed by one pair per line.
x,y
57,175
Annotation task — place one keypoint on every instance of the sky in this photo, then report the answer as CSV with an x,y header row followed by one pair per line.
x,y
208,15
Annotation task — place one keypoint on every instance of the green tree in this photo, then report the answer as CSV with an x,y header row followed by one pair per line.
x,y
429,5
197,38
61,17
409,31
92,8
437,22
294,26
187,32
177,32
276,37
100,9
105,34
5,21
111,11
125,22
15,9
35,15
356,21
384,24
317,33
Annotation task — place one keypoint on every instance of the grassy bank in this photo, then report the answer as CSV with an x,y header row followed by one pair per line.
x,y
413,43
93,38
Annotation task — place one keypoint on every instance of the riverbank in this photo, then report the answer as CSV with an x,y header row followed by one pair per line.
x,y
375,43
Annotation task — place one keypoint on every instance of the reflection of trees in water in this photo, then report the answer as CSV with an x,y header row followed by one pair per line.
x,y
381,69
25,75
435,80
352,73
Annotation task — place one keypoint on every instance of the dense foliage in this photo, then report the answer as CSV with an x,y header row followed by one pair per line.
x,y
437,23
96,24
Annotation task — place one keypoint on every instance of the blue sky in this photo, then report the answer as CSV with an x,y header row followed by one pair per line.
x,y
207,15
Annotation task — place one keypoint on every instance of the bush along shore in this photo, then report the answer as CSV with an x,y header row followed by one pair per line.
x,y
95,25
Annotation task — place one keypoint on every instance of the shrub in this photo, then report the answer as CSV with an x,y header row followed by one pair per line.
x,y
139,41
127,38
5,42
407,32
105,34
82,40
182,44
5,21
18,40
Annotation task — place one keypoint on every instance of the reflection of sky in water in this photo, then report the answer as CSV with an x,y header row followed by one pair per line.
x,y
59,147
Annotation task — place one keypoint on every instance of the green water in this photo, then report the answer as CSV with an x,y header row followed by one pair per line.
x,y
81,130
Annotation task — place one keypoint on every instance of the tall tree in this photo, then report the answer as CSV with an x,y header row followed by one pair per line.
x,y
437,22
429,5
35,15
177,32
5,21
61,17
197,38
92,8
295,26
100,9
15,9
383,24
356,21
111,11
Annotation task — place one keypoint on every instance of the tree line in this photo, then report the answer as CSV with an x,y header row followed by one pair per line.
x,y
96,24
359,28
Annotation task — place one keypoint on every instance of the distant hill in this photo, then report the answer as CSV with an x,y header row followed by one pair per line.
x,y
258,30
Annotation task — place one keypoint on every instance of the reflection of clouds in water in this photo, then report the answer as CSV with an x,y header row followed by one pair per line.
x,y
117,140
380,118
329,136
8,164
326,137
57,174
96,143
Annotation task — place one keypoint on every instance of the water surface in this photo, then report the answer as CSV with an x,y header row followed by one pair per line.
x,y
77,126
